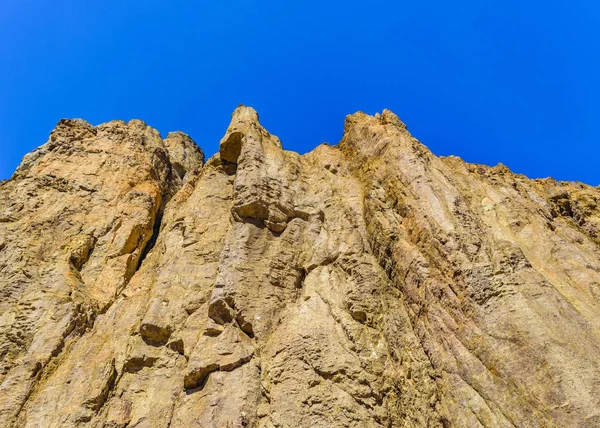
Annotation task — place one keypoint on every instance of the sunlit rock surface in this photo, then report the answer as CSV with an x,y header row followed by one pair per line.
x,y
368,284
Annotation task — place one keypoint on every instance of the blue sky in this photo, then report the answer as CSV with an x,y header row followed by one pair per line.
x,y
515,82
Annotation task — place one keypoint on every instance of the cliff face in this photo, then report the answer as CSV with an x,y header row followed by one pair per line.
x,y
367,284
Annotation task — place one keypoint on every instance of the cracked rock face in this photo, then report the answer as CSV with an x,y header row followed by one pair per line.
x,y
368,284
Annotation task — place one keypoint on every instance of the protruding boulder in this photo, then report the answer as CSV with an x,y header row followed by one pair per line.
x,y
226,352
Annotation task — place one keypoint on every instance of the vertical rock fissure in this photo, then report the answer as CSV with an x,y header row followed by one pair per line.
x,y
153,238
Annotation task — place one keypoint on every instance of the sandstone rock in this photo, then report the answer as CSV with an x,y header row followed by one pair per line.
x,y
365,284
184,154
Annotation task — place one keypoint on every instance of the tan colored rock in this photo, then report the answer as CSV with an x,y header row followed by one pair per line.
x,y
185,156
78,215
365,284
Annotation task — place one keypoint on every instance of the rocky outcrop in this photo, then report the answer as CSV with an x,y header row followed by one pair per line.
x,y
365,284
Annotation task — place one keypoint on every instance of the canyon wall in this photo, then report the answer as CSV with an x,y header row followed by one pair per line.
x,y
368,284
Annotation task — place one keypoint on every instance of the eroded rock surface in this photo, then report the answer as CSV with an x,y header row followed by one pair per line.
x,y
369,284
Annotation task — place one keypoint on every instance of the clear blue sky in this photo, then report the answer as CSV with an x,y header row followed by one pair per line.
x,y
516,82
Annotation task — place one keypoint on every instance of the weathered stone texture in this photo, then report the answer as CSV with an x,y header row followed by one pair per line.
x,y
369,284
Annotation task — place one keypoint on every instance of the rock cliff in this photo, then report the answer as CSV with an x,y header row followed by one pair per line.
x,y
368,284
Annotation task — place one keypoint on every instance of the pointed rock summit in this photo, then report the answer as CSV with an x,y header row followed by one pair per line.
x,y
368,284
244,124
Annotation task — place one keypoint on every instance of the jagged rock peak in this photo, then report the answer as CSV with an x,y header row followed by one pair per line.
x,y
185,155
244,126
368,284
